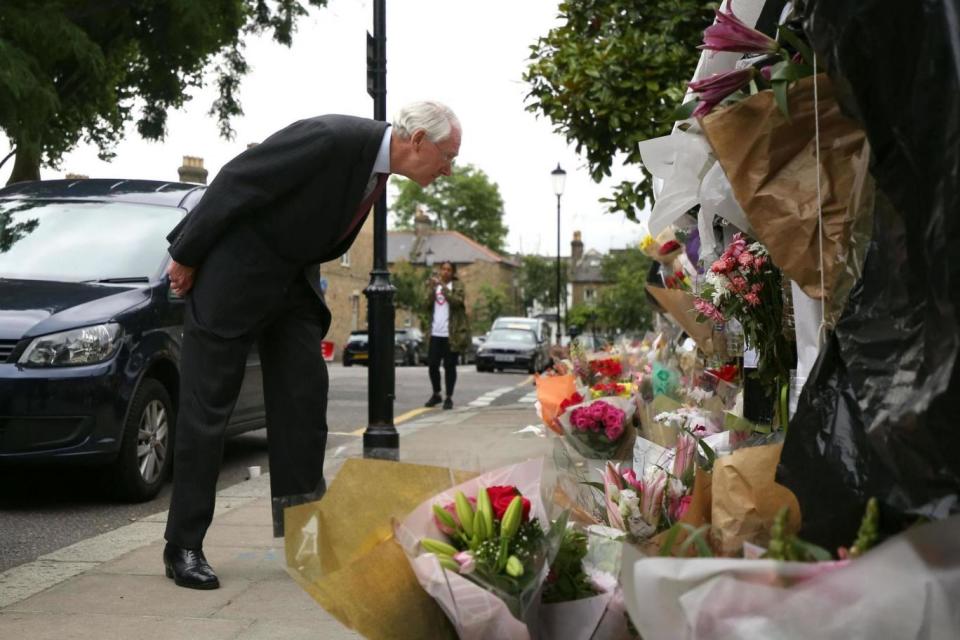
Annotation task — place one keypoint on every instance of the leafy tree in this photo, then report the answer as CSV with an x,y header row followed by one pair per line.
x,y
409,281
466,201
538,280
623,304
492,303
82,69
612,75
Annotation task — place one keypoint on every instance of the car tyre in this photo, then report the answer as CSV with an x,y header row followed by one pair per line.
x,y
534,365
146,452
347,363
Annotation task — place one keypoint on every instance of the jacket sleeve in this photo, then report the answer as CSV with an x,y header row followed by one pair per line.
x,y
457,294
249,184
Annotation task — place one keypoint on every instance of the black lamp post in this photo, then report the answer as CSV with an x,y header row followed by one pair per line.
x,y
380,440
559,178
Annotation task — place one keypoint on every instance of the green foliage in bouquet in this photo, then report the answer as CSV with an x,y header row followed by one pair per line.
x,y
567,580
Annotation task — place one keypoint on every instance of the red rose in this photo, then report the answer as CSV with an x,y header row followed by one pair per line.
x,y
501,497
669,247
576,398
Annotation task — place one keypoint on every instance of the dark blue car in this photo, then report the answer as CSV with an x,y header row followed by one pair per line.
x,y
90,332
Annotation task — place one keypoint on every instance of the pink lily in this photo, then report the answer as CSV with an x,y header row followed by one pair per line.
x,y
612,485
631,477
729,33
714,89
683,459
652,501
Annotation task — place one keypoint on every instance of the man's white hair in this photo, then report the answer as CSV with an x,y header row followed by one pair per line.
x,y
435,118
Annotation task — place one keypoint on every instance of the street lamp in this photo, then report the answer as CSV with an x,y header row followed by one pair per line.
x,y
428,258
559,178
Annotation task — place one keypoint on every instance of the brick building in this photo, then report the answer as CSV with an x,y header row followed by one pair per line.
x,y
477,265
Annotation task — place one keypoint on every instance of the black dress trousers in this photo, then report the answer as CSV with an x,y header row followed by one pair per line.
x,y
288,323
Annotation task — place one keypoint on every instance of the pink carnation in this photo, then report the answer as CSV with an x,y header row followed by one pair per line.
x,y
707,309
752,299
738,283
745,259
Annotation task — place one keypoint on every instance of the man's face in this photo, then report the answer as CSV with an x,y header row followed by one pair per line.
x,y
446,273
434,159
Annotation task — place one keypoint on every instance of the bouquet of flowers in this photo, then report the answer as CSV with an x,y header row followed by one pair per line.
x,y
599,428
744,284
483,550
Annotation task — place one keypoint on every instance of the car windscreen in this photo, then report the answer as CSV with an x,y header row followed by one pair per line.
x,y
520,336
83,241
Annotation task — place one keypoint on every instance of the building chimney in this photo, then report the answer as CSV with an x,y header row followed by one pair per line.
x,y
576,248
192,170
421,223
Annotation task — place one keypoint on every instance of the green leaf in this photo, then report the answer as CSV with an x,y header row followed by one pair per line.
x,y
595,485
684,111
697,537
708,452
670,539
785,34
780,95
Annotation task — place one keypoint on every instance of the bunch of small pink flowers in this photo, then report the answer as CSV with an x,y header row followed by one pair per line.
x,y
599,417
745,285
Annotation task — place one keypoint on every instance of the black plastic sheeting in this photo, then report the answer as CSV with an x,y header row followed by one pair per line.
x,y
880,413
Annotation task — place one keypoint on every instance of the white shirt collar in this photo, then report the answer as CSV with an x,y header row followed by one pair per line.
x,y
382,163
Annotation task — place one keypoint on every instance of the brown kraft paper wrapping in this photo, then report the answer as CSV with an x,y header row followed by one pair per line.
x,y
771,164
746,498
679,304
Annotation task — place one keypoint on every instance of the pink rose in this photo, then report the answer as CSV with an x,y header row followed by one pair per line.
x,y
613,431
719,266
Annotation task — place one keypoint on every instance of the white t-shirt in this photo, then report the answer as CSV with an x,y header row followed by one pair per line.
x,y
441,312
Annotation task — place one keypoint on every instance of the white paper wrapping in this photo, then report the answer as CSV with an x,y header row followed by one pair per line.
x,y
908,588
476,613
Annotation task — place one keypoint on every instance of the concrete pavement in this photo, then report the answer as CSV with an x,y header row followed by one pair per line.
x,y
113,585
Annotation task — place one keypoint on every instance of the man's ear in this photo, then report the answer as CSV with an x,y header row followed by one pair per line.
x,y
418,137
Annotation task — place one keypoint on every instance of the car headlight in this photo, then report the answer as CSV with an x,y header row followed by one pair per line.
x,y
87,345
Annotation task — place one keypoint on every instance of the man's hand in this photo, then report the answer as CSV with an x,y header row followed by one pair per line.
x,y
181,277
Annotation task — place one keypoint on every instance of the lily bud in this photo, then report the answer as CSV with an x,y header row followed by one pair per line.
x,y
464,512
435,546
514,567
511,518
444,520
486,508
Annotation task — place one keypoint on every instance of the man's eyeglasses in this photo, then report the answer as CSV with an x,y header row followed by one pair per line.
x,y
449,157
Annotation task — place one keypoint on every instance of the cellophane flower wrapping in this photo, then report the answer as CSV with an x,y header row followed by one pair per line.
x,y
601,428
484,611
906,588
603,615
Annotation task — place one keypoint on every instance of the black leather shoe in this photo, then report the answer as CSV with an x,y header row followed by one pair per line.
x,y
188,568
448,403
434,400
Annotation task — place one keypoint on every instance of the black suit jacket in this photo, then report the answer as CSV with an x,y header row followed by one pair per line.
x,y
277,209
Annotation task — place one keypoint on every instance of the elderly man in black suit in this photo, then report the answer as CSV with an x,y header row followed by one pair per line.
x,y
247,259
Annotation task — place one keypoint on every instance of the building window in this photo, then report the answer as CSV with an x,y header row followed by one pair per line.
x,y
345,259
589,295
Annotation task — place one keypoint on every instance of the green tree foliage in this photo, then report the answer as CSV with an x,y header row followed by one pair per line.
x,y
538,280
611,76
623,304
409,281
82,69
491,304
466,201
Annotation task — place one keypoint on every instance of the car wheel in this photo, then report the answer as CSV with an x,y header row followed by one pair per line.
x,y
146,453
347,363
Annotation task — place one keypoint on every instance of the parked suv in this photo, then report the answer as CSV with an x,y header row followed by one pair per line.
x,y
90,332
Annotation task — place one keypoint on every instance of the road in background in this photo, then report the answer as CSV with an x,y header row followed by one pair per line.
x,y
44,509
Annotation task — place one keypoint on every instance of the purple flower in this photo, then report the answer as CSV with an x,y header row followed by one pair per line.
x,y
729,33
714,89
